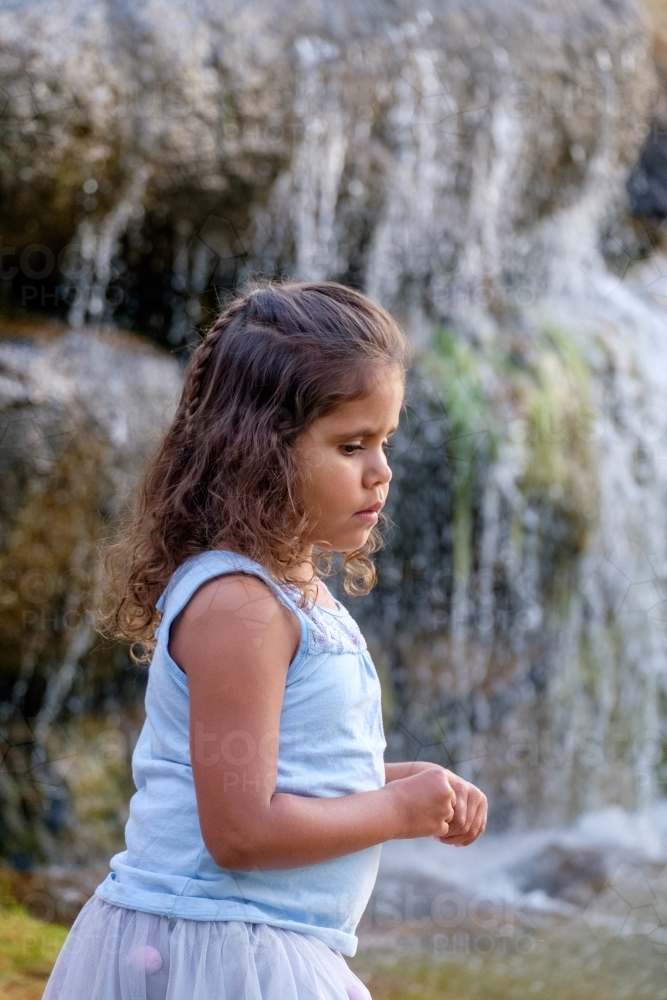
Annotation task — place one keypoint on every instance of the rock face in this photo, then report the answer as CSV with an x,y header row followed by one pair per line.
x,y
449,159
464,163
79,412
647,184
521,603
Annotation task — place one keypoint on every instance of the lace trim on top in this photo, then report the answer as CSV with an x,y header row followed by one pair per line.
x,y
337,633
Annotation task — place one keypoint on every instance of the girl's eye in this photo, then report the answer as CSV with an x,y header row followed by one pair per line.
x,y
358,447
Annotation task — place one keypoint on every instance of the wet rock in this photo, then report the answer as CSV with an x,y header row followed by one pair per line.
x,y
54,894
449,160
462,165
565,873
79,413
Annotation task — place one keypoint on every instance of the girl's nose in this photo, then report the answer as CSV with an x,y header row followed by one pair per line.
x,y
377,471
384,472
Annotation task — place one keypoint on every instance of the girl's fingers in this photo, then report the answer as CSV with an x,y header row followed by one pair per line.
x,y
460,808
468,810
456,839
478,824
477,827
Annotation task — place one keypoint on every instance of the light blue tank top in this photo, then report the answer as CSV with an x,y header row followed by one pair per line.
x,y
331,743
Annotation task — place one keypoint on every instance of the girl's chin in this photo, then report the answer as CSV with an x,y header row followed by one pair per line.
x,y
346,543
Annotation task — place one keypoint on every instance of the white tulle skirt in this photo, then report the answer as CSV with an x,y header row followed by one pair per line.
x,y
115,953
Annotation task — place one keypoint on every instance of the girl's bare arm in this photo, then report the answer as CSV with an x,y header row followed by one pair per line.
x,y
404,769
235,641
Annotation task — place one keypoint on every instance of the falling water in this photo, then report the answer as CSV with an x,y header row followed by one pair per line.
x,y
460,164
98,245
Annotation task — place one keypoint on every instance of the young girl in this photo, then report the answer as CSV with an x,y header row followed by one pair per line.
x,y
262,801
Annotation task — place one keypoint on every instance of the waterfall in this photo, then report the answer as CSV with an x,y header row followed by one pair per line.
x,y
465,165
97,246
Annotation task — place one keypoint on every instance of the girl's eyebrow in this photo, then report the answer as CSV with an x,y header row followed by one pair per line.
x,y
365,432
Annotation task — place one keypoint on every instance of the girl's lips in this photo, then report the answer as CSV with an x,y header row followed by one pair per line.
x,y
367,515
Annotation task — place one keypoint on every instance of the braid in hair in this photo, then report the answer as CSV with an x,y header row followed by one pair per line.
x,y
199,362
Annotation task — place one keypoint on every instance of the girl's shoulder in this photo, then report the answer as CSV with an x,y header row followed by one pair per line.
x,y
331,631
202,566
323,630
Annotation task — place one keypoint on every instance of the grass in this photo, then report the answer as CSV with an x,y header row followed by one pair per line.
x,y
28,950
570,963
546,965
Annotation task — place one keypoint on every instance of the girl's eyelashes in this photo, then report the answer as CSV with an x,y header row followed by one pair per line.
x,y
358,447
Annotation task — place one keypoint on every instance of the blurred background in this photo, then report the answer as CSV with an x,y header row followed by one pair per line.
x,y
496,176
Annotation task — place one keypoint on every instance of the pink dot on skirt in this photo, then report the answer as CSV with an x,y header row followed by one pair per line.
x,y
356,992
146,959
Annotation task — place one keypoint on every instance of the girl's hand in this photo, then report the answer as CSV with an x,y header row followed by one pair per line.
x,y
405,769
470,812
424,803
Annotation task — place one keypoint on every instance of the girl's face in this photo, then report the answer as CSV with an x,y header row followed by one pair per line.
x,y
344,452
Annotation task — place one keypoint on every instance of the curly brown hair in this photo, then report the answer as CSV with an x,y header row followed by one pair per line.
x,y
279,356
